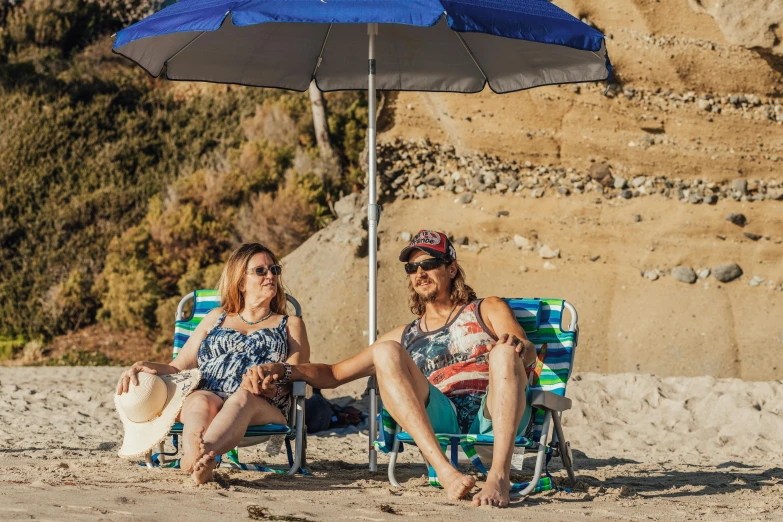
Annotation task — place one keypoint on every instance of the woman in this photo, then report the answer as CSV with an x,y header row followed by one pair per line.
x,y
249,328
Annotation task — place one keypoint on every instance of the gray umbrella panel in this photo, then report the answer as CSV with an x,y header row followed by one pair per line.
x,y
409,58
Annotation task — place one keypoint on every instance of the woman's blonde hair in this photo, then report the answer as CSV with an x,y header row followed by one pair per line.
x,y
231,298
461,293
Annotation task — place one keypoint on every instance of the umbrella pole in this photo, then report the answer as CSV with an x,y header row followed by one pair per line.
x,y
373,215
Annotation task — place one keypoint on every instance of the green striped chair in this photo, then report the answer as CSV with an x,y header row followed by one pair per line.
x,y
541,319
203,302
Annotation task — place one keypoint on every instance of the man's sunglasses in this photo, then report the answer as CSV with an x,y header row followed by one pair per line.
x,y
261,271
426,265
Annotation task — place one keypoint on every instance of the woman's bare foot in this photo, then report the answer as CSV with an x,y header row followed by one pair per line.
x,y
205,465
191,451
494,493
455,483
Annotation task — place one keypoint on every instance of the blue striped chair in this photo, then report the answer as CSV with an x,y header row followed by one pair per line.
x,y
541,319
203,302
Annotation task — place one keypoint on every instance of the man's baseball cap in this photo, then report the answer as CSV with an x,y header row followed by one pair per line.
x,y
434,243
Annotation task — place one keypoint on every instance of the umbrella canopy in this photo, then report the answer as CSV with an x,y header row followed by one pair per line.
x,y
423,45
412,45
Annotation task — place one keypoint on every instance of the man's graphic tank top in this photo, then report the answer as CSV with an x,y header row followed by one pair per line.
x,y
455,359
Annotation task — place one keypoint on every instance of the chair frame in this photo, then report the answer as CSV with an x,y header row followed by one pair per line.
x,y
554,405
296,418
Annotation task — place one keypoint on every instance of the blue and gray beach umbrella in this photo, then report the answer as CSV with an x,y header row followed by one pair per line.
x,y
403,45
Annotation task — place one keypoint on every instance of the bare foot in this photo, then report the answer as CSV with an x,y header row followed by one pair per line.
x,y
205,465
191,451
456,484
494,493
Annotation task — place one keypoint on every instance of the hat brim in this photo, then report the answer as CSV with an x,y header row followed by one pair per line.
x,y
141,437
406,252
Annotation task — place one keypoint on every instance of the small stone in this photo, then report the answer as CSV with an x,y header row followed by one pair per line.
x,y
756,280
461,240
726,272
740,185
523,268
721,237
620,182
549,266
627,194
433,180
600,170
405,236
638,181
501,187
710,199
752,236
501,213
523,242
704,273
737,219
466,198
684,274
694,199
704,105
594,258
652,275
575,89
546,252
637,218
563,190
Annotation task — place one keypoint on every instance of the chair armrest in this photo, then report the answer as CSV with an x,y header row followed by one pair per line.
x,y
549,400
301,389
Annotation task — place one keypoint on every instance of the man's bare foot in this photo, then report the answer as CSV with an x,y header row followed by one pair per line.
x,y
191,451
494,493
205,465
456,484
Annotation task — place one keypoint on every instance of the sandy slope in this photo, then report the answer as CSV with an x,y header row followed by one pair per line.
x,y
628,323
646,448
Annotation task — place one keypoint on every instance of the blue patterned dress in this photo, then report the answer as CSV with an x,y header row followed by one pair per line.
x,y
225,355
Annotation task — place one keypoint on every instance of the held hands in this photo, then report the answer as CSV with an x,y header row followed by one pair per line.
x,y
129,376
261,380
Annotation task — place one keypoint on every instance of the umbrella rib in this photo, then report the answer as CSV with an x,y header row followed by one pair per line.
x,y
188,45
321,54
465,45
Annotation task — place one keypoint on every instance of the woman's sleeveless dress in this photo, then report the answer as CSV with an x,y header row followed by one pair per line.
x,y
225,355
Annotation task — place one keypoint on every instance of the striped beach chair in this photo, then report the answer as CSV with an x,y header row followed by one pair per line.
x,y
203,301
541,319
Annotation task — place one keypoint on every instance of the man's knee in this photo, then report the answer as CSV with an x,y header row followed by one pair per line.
x,y
505,356
387,353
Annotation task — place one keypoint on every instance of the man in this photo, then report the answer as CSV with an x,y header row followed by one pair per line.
x,y
459,367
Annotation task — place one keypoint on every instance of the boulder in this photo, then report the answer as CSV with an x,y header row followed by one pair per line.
x,y
684,274
726,272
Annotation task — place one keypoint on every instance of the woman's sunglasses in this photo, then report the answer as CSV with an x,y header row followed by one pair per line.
x,y
261,271
426,265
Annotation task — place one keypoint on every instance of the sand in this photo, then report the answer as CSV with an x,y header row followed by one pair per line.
x,y
646,448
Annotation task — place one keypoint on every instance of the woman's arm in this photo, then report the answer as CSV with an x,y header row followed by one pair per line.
x,y
186,359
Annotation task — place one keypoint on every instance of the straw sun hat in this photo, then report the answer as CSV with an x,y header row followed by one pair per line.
x,y
149,410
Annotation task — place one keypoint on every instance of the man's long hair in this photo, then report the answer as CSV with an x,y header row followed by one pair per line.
x,y
461,293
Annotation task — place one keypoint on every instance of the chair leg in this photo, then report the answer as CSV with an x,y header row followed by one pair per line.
x,y
161,455
373,455
393,460
300,434
541,455
565,450
148,460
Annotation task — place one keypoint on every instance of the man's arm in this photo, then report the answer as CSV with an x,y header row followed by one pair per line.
x,y
501,321
319,375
